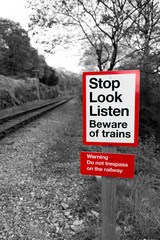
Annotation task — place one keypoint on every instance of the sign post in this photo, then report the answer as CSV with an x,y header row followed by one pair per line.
x,y
109,166
37,83
110,119
108,204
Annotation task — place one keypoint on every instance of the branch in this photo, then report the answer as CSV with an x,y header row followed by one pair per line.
x,y
94,19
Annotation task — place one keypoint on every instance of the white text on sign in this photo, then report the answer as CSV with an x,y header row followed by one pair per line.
x,y
107,164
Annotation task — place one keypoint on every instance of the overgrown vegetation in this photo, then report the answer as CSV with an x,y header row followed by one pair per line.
x,y
138,203
18,91
137,200
19,60
113,35
21,66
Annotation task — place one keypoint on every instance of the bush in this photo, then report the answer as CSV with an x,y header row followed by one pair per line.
x,y
138,200
138,214
6,100
25,95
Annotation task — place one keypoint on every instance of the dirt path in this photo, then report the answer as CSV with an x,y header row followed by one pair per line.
x,y
43,195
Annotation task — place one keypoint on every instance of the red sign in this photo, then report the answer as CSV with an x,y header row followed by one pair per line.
x,y
107,164
111,108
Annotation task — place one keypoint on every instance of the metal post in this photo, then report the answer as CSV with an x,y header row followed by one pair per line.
x,y
37,83
108,203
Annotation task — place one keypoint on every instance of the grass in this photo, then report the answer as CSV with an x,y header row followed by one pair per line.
x,y
138,213
137,200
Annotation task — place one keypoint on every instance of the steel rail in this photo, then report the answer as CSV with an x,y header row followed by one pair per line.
x,y
22,112
17,120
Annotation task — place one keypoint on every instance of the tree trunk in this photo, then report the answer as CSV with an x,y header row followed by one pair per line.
x,y
99,55
113,57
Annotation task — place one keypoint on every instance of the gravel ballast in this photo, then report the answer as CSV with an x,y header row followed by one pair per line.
x,y
41,186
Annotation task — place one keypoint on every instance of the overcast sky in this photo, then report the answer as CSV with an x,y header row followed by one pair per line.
x,y
15,10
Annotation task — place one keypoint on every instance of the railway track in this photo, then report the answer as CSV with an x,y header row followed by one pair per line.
x,y
16,120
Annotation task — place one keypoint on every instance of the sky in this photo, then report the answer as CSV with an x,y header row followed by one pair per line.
x,y
15,10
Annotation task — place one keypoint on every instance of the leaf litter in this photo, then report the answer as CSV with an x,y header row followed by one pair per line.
x,y
42,194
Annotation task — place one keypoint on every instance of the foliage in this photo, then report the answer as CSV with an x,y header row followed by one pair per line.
x,y
108,27
49,78
138,213
138,199
149,93
68,80
17,92
113,34
15,46
18,57
88,60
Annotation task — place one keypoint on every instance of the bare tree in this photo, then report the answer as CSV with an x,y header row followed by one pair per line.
x,y
105,24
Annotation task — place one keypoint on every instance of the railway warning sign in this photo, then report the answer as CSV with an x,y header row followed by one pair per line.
x,y
111,108
107,164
